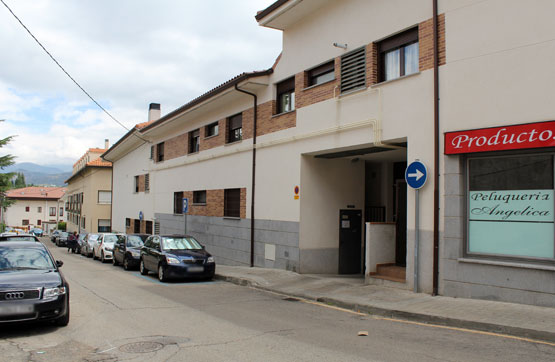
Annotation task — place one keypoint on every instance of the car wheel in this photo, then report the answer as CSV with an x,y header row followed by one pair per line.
x,y
142,268
114,261
63,321
125,263
161,273
94,255
102,257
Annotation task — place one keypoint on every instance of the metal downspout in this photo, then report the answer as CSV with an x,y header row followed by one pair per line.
x,y
253,168
436,152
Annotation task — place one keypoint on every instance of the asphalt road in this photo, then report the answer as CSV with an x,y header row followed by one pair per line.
x,y
123,316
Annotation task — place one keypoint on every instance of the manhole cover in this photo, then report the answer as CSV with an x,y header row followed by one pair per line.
x,y
141,347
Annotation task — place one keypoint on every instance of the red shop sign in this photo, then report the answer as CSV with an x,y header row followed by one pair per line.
x,y
531,135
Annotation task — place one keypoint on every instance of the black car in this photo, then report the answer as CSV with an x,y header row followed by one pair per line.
x,y
61,239
31,285
175,256
127,250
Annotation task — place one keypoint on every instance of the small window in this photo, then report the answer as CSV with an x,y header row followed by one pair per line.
x,y
104,226
104,197
232,202
160,152
39,222
39,209
321,74
178,202
137,226
148,228
136,184
147,182
24,222
235,128
61,211
83,222
211,130
52,211
127,222
286,95
152,152
399,55
194,141
26,208
353,70
199,197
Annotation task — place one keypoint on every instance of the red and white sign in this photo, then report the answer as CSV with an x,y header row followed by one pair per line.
x,y
531,135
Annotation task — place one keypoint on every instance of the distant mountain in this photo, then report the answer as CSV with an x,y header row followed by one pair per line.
x,y
41,175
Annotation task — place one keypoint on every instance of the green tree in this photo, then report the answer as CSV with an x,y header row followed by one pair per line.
x,y
5,178
19,181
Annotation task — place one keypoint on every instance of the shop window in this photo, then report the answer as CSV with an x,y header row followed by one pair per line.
x,y
235,128
286,95
398,55
194,141
199,197
232,202
104,226
510,202
178,202
211,130
160,152
321,74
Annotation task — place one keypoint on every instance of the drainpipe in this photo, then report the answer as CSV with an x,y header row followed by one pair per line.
x,y
253,168
436,152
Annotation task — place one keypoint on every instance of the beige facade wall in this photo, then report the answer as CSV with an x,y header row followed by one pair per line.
x,y
16,213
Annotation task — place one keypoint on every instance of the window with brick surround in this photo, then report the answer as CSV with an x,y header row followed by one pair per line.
x,y
178,202
127,222
211,130
286,95
232,202
160,152
353,70
235,128
321,74
199,197
398,55
194,141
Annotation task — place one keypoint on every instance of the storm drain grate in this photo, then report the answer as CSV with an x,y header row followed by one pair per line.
x,y
291,299
141,347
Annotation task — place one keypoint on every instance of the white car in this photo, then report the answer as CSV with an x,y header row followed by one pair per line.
x,y
104,246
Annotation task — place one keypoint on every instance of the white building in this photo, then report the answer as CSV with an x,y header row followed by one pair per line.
x,y
360,90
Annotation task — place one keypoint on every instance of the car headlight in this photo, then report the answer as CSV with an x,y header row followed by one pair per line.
x,y
210,259
171,260
53,292
108,248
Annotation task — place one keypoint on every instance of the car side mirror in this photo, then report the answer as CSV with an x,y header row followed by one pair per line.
x,y
59,263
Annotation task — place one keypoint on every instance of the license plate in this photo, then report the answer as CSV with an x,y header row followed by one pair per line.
x,y
9,310
195,269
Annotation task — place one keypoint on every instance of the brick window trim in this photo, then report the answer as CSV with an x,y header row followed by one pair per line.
x,y
278,115
316,86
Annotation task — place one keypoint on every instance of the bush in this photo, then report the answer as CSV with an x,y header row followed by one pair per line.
x,y
62,226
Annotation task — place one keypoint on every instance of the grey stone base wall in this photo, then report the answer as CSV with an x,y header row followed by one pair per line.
x,y
482,279
229,240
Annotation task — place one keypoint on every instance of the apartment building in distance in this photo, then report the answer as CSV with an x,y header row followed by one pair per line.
x,y
89,193
35,207
301,166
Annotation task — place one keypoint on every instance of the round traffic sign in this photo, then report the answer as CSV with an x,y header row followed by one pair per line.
x,y
416,174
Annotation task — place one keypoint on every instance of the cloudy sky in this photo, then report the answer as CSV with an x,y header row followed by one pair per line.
x,y
126,54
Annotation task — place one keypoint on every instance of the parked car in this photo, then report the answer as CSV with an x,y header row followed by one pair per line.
x,y
104,246
32,288
54,235
127,251
175,256
61,238
88,244
80,241
19,237
36,231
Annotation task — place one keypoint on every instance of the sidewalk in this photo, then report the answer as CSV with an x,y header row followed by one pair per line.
x,y
351,293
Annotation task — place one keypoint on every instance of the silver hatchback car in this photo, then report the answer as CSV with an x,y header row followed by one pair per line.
x,y
104,246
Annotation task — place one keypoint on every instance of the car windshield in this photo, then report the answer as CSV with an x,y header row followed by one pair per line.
x,y
181,243
18,258
93,237
134,241
111,239
64,234
17,238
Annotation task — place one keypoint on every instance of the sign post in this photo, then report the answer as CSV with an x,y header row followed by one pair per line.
x,y
416,175
185,211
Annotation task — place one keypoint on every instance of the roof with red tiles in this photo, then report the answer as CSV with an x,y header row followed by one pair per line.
x,y
37,192
99,163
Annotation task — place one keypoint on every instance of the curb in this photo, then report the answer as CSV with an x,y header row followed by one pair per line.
x,y
404,315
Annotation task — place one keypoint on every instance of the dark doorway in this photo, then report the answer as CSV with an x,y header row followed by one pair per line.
x,y
400,216
350,234
137,226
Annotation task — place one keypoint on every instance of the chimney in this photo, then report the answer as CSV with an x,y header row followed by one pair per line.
x,y
106,143
153,112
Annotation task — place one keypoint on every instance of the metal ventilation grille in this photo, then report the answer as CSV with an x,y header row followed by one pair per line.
x,y
156,228
147,182
353,70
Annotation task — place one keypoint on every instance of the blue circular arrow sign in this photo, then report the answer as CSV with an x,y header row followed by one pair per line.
x,y
416,175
